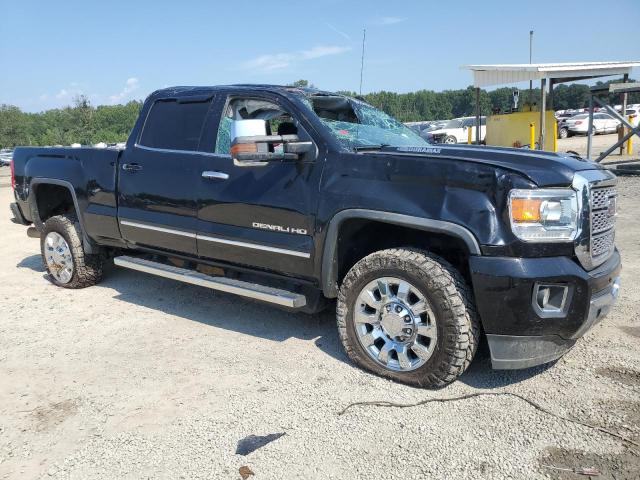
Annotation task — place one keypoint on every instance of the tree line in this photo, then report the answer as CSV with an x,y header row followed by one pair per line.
x,y
80,123
87,124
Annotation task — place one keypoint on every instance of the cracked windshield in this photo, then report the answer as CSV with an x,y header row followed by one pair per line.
x,y
358,125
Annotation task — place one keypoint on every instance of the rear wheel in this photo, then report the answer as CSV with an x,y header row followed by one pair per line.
x,y
563,133
408,315
63,254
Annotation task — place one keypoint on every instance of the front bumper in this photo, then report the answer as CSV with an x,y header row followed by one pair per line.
x,y
518,336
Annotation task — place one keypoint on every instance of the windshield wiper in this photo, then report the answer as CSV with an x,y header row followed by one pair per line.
x,y
376,146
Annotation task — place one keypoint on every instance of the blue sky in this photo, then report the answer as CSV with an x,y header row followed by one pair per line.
x,y
120,50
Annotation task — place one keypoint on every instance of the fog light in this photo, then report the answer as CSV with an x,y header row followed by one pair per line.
x,y
550,300
615,288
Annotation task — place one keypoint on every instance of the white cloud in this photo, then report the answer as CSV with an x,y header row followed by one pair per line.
x,y
130,86
278,61
269,62
67,93
323,51
388,20
339,32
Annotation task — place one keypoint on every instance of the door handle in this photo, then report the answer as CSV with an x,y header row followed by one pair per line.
x,y
131,167
215,175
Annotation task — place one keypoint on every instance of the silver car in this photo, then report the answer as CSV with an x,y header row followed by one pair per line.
x,y
5,156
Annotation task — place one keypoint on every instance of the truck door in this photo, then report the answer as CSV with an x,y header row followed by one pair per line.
x,y
262,216
158,176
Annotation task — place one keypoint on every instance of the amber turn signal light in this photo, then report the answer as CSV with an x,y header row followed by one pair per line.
x,y
243,148
525,209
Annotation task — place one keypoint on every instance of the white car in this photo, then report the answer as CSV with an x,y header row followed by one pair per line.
x,y
5,156
635,111
602,123
457,131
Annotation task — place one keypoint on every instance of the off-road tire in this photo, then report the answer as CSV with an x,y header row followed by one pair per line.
x,y
452,302
87,269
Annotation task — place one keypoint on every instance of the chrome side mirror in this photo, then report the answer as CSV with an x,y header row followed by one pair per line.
x,y
252,151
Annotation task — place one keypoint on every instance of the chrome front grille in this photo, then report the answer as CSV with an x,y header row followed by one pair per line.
x,y
602,244
603,220
597,199
600,197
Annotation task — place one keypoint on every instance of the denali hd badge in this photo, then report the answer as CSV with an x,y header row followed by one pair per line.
x,y
279,228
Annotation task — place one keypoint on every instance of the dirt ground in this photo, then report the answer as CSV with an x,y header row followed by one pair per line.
x,y
143,377
600,144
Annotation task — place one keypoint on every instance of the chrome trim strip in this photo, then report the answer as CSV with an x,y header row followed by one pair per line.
x,y
157,229
207,238
168,150
255,246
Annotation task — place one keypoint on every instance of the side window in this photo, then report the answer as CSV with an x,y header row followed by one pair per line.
x,y
223,138
174,125
277,121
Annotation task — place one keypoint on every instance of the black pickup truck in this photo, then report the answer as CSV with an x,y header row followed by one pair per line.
x,y
295,197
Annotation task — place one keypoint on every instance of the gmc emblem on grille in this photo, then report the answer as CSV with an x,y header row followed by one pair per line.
x,y
611,207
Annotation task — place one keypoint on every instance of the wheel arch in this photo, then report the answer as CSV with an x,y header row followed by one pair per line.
x,y
331,268
35,205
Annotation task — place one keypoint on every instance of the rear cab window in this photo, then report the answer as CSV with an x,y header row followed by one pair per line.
x,y
174,124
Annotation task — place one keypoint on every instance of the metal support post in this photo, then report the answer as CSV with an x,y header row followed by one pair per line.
x,y
590,128
477,115
532,136
623,101
543,108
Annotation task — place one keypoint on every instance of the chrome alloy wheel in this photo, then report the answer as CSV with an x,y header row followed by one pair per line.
x,y
58,257
395,324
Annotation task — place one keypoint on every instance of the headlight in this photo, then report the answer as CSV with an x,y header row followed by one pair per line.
x,y
544,215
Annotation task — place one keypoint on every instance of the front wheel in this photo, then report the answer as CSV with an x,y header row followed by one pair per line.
x,y
408,315
563,133
449,139
63,254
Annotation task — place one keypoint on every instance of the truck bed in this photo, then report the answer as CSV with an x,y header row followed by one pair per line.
x,y
90,174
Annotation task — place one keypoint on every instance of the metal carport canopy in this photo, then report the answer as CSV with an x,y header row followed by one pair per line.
x,y
488,75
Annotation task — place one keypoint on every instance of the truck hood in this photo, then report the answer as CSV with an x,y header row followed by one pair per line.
x,y
545,169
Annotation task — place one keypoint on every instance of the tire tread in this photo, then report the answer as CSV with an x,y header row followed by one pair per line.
x,y
87,269
450,289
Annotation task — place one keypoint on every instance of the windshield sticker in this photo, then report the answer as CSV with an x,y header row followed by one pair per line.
x,y
433,150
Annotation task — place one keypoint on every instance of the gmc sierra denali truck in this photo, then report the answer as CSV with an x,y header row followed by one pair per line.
x,y
295,197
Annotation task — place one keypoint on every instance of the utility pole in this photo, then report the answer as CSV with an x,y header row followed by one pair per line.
x,y
364,36
530,62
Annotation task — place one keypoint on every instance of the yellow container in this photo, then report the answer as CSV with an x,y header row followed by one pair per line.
x,y
512,129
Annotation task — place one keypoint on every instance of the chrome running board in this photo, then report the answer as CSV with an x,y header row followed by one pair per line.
x,y
223,284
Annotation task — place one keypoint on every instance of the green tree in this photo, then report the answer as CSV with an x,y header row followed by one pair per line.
x,y
302,84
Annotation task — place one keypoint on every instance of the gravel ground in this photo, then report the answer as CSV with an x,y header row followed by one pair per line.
x,y
142,377
601,143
